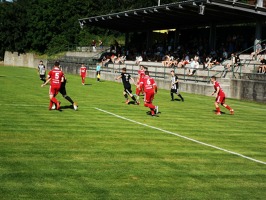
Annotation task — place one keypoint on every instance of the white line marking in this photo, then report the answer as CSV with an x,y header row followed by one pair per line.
x,y
181,136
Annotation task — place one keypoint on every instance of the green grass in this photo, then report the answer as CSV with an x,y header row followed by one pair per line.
x,y
89,154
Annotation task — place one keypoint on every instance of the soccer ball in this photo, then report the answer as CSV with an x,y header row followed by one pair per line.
x,y
53,106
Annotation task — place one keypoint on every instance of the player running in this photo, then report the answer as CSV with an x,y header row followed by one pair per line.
x,y
220,97
42,71
127,86
83,73
150,89
174,86
141,74
55,77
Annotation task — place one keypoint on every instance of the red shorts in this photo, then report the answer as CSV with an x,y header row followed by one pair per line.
x,y
54,90
83,75
149,96
220,99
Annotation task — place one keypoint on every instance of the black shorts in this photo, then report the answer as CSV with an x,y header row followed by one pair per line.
x,y
63,90
42,76
128,90
175,91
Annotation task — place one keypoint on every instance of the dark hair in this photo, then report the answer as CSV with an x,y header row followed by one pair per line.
x,y
56,63
213,77
124,69
147,73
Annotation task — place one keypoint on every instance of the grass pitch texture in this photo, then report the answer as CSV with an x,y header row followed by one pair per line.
x,y
110,150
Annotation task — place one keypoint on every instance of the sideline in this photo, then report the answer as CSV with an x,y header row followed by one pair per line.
x,y
184,137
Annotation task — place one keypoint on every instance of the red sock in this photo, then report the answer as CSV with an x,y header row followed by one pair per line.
x,y
152,107
228,107
218,109
50,105
54,100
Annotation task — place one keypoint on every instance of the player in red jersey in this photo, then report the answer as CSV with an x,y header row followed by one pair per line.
x,y
150,89
220,97
83,73
55,77
141,74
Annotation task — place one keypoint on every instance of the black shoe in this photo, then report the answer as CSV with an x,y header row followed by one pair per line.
x,y
182,99
172,99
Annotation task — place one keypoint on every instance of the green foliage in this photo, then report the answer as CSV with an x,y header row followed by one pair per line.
x,y
49,26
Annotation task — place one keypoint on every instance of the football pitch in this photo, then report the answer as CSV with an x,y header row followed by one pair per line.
x,y
109,150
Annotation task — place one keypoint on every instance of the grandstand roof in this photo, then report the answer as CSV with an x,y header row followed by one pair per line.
x,y
182,14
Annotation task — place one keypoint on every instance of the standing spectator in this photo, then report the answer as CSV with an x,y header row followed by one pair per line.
x,y
150,89
127,86
93,45
220,97
174,86
42,71
83,73
98,71
100,44
55,76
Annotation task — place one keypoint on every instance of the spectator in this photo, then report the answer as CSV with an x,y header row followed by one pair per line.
x,y
93,44
262,67
138,59
100,44
256,51
194,65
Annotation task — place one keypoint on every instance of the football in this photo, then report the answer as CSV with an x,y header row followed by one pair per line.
x,y
53,107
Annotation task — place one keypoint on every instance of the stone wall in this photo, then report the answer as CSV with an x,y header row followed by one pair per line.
x,y
25,60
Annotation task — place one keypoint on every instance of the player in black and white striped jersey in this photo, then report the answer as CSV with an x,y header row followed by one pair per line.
x,y
42,71
174,86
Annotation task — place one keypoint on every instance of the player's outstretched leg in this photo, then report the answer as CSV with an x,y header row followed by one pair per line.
x,y
228,108
182,99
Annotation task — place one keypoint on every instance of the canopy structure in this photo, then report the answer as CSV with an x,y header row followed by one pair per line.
x,y
182,14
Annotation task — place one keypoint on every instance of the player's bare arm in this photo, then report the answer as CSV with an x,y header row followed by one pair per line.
x,y
47,81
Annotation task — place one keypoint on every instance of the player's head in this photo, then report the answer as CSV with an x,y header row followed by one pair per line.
x,y
141,67
172,72
41,62
213,78
147,73
124,69
56,64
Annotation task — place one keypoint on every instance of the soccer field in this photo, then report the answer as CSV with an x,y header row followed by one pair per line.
x,y
110,150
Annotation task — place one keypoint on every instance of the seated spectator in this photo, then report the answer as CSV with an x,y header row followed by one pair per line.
x,y
120,59
262,67
167,62
183,62
138,59
194,65
113,58
235,61
257,50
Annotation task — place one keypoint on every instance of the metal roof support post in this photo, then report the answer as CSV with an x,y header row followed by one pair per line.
x,y
149,39
212,37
